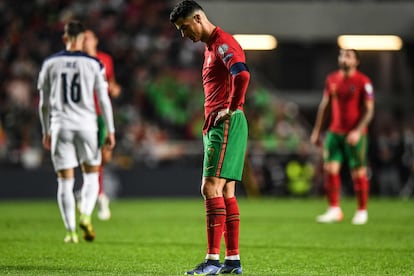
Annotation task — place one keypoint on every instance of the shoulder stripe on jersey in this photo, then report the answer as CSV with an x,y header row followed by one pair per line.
x,y
238,67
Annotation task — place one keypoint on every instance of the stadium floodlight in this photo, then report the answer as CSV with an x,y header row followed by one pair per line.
x,y
256,41
370,42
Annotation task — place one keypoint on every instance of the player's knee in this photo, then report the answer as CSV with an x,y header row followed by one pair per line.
x,y
211,187
332,168
359,172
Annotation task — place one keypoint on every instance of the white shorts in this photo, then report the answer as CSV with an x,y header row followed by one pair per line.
x,y
70,148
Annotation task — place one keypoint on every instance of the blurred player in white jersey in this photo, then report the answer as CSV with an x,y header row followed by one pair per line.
x,y
67,83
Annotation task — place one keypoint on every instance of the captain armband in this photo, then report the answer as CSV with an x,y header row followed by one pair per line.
x,y
238,67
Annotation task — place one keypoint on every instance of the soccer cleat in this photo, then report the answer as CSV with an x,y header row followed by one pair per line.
x,y
209,267
103,207
360,217
231,267
86,226
333,214
71,237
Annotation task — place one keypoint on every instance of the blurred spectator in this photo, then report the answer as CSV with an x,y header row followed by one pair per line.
x,y
407,189
389,149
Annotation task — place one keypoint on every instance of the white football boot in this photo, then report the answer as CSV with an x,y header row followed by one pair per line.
x,y
104,213
333,214
360,217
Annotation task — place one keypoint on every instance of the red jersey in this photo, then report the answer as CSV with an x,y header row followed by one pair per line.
x,y
221,52
108,64
348,95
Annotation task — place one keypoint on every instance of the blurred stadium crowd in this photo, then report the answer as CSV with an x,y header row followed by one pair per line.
x,y
159,113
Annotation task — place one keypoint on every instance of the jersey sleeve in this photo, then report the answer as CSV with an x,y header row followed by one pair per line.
x,y
43,86
368,89
230,52
326,89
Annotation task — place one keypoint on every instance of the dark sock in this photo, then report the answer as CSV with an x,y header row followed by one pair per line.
x,y
213,262
233,263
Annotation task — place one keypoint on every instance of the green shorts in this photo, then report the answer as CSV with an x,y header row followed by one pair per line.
x,y
102,131
225,148
337,149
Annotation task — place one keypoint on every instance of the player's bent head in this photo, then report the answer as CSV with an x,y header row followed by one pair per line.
x,y
184,9
353,51
74,28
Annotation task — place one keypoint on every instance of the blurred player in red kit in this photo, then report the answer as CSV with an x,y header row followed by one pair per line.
x,y
114,90
349,99
225,80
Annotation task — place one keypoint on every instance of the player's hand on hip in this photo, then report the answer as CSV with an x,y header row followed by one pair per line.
x,y
222,115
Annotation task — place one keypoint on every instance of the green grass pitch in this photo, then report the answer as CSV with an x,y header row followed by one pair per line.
x,y
167,237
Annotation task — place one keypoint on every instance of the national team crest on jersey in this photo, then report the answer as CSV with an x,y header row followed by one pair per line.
x,y
352,89
222,49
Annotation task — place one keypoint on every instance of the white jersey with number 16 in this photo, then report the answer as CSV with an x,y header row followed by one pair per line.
x,y
67,83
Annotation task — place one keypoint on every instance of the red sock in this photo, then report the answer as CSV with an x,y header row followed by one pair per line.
x,y
101,188
361,189
231,233
333,189
215,222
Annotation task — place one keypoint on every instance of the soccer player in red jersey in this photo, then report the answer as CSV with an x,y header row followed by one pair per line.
x,y
225,80
349,98
114,90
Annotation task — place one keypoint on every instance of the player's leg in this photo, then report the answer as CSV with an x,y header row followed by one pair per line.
x,y
333,156
104,213
67,204
89,194
212,186
357,156
232,168
90,157
215,209
64,160
232,262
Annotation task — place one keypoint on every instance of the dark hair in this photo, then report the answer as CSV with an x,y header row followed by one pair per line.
x,y
73,28
184,9
356,53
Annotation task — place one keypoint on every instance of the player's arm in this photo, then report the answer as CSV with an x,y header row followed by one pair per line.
x,y
321,116
367,117
114,88
101,88
240,77
354,135
44,91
